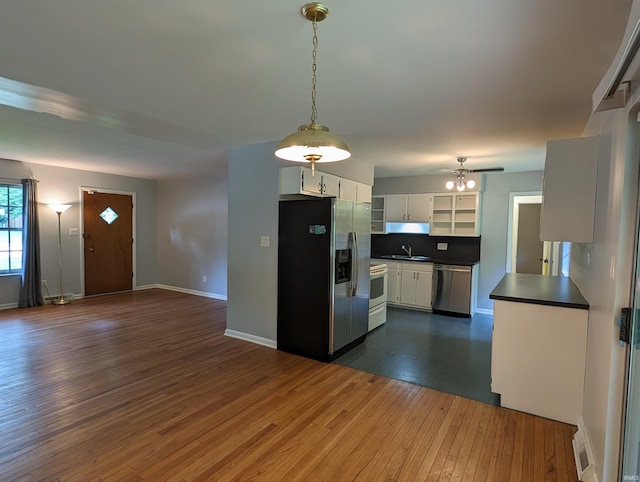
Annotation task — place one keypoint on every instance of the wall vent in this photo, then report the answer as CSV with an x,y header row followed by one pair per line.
x,y
583,454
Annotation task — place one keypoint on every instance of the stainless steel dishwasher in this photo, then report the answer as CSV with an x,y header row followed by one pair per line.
x,y
451,289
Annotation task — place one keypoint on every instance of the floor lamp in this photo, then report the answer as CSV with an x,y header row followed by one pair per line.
x,y
59,209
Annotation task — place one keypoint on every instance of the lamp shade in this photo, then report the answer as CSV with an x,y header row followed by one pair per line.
x,y
59,208
312,143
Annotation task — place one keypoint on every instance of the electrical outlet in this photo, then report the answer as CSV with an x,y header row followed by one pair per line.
x,y
442,246
265,241
44,282
204,279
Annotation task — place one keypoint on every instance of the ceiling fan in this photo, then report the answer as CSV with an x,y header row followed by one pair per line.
x,y
460,183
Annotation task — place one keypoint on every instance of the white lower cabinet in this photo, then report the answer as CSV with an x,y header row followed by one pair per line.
x,y
393,283
409,284
538,355
415,284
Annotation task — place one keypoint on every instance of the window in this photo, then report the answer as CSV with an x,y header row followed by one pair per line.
x,y
10,228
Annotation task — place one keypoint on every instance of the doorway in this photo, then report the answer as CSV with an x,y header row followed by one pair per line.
x,y
107,241
526,253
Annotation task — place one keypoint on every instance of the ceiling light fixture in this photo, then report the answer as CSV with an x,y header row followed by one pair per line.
x,y
313,142
460,183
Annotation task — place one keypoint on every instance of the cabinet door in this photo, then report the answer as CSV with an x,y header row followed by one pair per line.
x,y
393,285
363,193
569,190
408,286
423,288
347,189
310,183
396,209
297,180
330,185
418,208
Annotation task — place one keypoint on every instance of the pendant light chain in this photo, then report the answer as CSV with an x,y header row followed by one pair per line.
x,y
313,142
314,111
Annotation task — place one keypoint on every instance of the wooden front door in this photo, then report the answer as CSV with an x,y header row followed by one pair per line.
x,y
108,242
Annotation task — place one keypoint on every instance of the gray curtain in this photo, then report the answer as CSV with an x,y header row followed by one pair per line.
x,y
31,289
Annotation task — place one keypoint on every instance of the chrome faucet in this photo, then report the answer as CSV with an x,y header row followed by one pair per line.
x,y
407,249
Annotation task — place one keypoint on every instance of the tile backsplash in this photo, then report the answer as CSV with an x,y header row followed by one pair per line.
x,y
458,247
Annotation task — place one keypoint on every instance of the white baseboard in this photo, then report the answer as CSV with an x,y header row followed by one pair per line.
x,y
145,287
484,311
8,306
187,291
252,338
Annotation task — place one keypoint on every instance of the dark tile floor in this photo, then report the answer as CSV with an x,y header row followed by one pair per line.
x,y
445,353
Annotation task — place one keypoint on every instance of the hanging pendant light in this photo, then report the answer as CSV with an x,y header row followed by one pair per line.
x,y
313,142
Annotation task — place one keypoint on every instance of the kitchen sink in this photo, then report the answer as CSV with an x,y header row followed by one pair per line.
x,y
404,257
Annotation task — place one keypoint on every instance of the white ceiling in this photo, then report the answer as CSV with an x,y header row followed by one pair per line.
x,y
161,88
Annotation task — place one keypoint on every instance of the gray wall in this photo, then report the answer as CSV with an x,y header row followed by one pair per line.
x,y
192,232
494,216
253,212
63,186
420,184
494,223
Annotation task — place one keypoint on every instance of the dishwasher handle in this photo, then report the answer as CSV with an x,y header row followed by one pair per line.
x,y
458,269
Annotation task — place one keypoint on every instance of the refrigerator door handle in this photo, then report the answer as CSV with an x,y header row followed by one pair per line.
x,y
354,265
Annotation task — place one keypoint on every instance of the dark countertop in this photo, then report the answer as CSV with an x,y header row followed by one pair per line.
x,y
427,259
539,290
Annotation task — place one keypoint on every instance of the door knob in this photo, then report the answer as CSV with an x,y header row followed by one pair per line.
x,y
91,249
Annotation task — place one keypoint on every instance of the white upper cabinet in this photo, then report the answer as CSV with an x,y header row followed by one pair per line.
x,y
408,208
377,214
455,214
329,184
569,190
363,193
348,190
300,180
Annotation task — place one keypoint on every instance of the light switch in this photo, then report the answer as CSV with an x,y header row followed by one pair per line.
x,y
73,231
265,241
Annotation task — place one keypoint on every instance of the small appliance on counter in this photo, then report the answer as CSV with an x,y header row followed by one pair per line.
x,y
323,276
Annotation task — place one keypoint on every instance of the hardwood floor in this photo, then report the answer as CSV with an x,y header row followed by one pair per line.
x,y
145,386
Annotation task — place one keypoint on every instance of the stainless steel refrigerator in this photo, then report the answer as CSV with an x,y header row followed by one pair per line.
x,y
324,250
